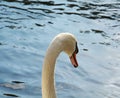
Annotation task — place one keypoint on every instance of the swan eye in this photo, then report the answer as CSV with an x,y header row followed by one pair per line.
x,y
76,49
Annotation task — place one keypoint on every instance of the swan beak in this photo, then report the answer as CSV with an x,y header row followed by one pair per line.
x,y
73,57
74,60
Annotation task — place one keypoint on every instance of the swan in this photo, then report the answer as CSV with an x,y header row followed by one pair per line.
x,y
62,42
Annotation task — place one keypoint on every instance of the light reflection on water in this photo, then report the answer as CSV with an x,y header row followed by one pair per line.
x,y
26,29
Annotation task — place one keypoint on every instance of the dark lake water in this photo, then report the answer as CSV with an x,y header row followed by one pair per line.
x,y
28,26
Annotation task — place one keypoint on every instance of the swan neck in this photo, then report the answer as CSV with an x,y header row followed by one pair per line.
x,y
48,87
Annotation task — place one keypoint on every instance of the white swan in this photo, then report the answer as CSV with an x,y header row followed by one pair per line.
x,y
62,42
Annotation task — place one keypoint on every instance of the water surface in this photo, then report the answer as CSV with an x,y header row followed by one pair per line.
x,y
28,26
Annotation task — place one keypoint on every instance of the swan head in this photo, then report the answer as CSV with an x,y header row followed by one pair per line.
x,y
69,45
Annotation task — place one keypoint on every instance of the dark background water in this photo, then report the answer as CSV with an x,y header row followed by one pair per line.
x,y
28,26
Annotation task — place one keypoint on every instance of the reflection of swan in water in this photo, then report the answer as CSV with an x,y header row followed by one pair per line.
x,y
63,42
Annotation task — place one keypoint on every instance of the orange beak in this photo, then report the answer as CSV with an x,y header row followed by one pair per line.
x,y
74,60
73,57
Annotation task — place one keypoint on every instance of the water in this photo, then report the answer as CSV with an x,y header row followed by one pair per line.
x,y
26,29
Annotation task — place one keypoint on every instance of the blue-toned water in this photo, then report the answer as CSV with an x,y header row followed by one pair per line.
x,y
28,26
